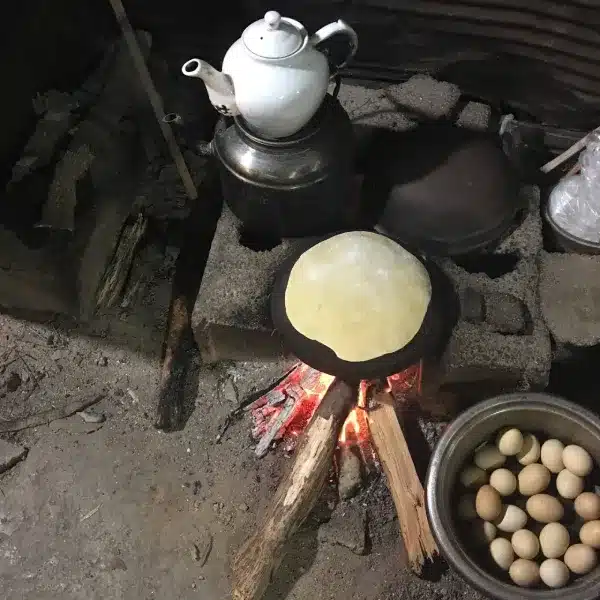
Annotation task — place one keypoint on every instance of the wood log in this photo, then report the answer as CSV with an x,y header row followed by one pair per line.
x,y
178,346
117,271
403,481
259,557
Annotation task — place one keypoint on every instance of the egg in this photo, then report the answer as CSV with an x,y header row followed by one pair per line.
x,y
551,455
554,573
488,503
530,451
580,559
502,553
587,506
569,485
503,481
511,519
524,573
466,508
484,532
533,479
577,460
544,508
489,457
589,534
554,540
509,441
473,477
525,544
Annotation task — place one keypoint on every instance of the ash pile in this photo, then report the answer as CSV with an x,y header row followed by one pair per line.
x,y
500,342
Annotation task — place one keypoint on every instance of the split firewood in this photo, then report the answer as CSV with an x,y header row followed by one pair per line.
x,y
256,562
403,481
178,346
118,269
91,152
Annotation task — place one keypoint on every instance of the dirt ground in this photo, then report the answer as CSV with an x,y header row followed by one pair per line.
x,y
117,510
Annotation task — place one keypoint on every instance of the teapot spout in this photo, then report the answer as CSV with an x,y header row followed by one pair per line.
x,y
218,85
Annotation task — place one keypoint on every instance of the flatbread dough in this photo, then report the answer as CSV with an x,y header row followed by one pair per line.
x,y
358,293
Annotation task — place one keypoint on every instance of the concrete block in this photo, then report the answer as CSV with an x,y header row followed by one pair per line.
x,y
570,297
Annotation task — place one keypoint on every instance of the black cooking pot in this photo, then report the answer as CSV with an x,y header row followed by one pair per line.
x,y
444,190
291,187
429,342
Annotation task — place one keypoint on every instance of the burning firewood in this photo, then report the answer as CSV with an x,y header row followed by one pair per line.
x,y
298,492
284,411
403,481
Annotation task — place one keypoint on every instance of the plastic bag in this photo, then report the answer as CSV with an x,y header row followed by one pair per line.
x,y
574,203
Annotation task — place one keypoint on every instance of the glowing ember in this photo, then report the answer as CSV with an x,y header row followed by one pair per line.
x,y
284,411
406,381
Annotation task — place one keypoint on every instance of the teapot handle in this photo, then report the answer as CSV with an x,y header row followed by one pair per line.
x,y
333,29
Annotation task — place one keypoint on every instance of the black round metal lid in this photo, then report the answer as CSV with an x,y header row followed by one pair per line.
x,y
443,190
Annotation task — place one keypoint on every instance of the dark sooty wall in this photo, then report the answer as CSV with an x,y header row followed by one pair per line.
x,y
540,58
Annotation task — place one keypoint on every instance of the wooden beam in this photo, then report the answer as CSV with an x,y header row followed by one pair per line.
x,y
403,481
259,557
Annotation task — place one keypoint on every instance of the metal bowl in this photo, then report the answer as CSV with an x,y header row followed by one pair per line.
x,y
567,241
528,411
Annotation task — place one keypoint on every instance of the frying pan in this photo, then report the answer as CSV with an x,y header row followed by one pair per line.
x,y
440,318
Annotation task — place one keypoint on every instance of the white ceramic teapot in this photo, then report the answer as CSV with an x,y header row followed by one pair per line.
x,y
274,77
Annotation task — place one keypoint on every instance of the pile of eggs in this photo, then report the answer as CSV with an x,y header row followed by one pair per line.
x,y
528,502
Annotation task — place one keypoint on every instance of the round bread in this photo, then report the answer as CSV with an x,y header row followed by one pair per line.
x,y
360,294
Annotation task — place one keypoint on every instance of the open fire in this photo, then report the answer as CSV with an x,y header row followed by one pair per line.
x,y
280,415
332,422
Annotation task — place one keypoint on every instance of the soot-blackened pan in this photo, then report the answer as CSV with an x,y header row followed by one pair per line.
x,y
430,340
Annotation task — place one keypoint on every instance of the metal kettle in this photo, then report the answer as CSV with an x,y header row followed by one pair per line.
x,y
297,186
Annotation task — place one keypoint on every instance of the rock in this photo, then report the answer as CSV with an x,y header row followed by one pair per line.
x,y
91,417
350,477
115,563
244,507
347,527
10,455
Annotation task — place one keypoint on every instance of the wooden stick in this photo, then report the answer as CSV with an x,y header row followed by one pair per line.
x,y
154,98
47,416
262,553
403,481
574,149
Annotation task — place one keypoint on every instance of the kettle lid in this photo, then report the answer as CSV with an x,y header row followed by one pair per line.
x,y
274,36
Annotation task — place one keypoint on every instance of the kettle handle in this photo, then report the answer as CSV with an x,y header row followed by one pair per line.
x,y
332,29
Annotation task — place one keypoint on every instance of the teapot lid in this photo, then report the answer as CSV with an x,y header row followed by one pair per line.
x,y
274,36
